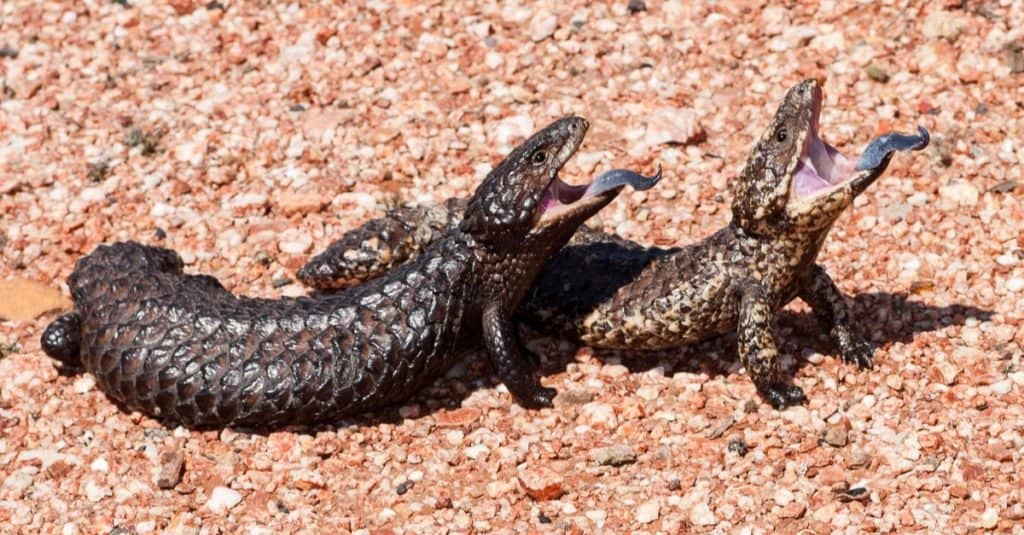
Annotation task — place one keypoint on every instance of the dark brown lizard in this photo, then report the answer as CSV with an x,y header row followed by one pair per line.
x,y
184,349
612,293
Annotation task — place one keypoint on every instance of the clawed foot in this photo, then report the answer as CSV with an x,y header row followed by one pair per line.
x,y
781,395
855,350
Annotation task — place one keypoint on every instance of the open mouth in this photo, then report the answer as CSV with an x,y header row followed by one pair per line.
x,y
560,198
821,168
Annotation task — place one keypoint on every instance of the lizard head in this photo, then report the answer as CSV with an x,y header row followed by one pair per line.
x,y
522,200
794,180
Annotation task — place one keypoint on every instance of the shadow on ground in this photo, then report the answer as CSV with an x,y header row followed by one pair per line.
x,y
888,318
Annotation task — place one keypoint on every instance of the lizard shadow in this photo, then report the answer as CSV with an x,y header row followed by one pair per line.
x,y
894,318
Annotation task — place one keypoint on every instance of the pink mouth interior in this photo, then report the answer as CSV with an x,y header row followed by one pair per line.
x,y
559,194
821,167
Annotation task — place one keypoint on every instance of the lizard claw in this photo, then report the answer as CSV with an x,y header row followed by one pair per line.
x,y
854,349
781,395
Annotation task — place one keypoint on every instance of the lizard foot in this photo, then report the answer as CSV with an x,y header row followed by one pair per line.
x,y
854,349
781,395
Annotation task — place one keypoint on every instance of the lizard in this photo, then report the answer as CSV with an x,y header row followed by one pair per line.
x,y
185,350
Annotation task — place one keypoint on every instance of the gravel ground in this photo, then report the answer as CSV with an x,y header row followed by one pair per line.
x,y
248,137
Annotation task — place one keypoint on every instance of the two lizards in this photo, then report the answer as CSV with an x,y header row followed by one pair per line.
x,y
184,349
608,292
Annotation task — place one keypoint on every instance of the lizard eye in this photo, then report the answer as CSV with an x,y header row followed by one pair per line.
x,y
781,135
539,157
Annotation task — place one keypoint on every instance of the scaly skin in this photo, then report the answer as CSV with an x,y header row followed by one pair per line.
x,y
612,293
184,349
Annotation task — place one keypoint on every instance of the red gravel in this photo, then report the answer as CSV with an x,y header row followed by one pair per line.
x,y
250,137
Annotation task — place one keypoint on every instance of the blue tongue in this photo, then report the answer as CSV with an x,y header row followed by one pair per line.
x,y
615,178
882,146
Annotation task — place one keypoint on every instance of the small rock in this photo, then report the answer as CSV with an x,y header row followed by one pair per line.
x,y
512,129
960,192
941,24
793,37
738,446
477,451
172,464
457,418
182,7
648,512
948,372
617,455
877,74
95,492
321,125
542,25
222,499
247,200
297,244
1015,57
26,299
990,518
836,436
301,203
721,427
541,484
701,515
499,489
636,6
673,126
597,516
8,52
783,497
100,465
793,510
598,415
1015,284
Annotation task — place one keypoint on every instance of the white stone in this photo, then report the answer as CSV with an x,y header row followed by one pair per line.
x,y
477,451
701,515
673,125
92,194
222,499
783,497
599,415
793,37
83,384
99,465
296,146
542,25
95,492
512,129
648,512
296,243
597,516
1015,284
960,192
1002,387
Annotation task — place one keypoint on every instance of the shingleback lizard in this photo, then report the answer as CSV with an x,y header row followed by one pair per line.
x,y
184,349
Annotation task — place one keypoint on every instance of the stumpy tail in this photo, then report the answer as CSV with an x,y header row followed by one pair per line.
x,y
62,338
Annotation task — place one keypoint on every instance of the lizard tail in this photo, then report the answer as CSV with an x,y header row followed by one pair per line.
x,y
62,338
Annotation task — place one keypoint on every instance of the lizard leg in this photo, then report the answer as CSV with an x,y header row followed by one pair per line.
x,y
373,249
758,351
514,364
830,308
